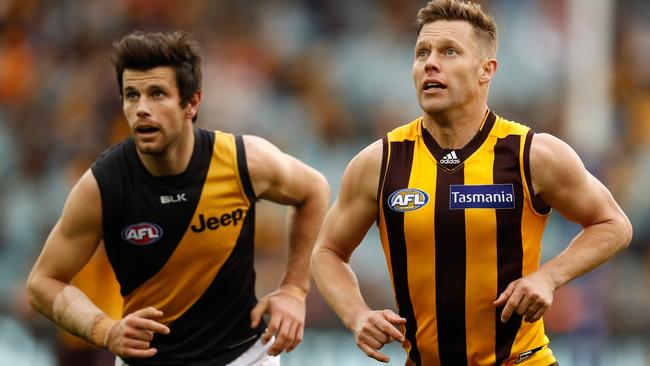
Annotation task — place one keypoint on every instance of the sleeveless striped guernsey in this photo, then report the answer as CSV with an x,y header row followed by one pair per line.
x,y
184,244
457,226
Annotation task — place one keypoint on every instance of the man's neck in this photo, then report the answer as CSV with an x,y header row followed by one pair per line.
x,y
174,160
454,129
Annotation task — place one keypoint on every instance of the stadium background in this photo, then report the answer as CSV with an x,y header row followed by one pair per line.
x,y
321,79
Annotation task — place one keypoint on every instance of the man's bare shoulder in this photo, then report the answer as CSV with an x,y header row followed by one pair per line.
x,y
554,164
83,208
263,160
368,160
257,147
549,151
363,171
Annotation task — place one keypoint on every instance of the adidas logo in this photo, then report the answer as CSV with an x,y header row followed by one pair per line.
x,y
450,158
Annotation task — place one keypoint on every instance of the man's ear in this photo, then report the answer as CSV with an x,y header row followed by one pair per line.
x,y
488,70
193,105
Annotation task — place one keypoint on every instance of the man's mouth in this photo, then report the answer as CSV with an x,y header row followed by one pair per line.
x,y
434,85
146,129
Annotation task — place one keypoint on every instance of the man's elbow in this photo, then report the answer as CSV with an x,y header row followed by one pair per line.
x,y
620,232
315,260
325,252
318,194
321,186
31,288
322,259
625,232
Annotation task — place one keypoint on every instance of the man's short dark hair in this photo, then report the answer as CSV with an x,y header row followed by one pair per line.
x,y
144,51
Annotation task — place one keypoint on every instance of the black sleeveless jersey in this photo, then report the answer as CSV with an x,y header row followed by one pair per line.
x,y
184,244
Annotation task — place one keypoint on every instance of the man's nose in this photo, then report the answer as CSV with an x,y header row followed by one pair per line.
x,y
143,109
432,63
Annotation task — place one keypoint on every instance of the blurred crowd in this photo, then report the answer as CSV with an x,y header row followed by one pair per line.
x,y
320,79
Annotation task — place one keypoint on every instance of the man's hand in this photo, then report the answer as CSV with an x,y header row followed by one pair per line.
x,y
286,306
374,329
131,336
529,296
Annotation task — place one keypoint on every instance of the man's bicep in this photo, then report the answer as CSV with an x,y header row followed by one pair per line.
x,y
564,183
280,177
346,225
586,204
294,181
355,209
76,235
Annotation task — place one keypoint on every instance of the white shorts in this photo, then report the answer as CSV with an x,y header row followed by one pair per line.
x,y
256,355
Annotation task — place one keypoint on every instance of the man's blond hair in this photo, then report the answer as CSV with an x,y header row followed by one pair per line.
x,y
484,25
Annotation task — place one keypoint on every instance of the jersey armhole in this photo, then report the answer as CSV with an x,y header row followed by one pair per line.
x,y
382,174
242,166
539,206
102,170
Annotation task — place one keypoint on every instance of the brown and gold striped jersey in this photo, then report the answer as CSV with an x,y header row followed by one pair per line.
x,y
457,226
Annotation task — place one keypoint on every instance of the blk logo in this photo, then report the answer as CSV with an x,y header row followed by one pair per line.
x,y
143,233
173,199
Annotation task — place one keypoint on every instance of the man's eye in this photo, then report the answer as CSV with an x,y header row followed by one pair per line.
x,y
132,96
450,52
158,94
422,53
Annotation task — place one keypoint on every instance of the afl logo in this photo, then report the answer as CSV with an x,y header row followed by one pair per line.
x,y
143,233
407,199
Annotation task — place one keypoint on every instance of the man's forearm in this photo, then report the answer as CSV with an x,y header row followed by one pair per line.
x,y
71,309
339,286
304,223
592,247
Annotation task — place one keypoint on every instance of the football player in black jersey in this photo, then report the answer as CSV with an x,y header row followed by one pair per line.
x,y
184,287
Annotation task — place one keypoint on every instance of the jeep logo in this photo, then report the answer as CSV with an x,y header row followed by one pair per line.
x,y
214,222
